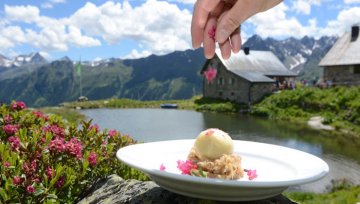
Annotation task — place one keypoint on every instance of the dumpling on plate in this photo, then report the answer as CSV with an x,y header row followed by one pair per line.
x,y
213,153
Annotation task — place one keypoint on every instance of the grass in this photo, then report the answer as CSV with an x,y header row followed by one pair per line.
x,y
339,106
68,114
196,103
350,195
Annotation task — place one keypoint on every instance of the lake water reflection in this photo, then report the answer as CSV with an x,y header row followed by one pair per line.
x,y
149,125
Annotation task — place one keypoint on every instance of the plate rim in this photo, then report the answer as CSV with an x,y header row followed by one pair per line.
x,y
224,182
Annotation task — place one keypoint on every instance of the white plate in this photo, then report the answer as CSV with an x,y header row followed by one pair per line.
x,y
277,168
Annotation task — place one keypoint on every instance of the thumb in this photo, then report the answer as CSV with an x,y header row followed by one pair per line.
x,y
231,19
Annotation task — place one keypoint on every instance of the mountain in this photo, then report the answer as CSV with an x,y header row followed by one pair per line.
x,y
173,76
22,60
300,55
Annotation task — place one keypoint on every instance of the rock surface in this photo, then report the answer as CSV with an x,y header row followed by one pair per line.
x,y
316,122
114,189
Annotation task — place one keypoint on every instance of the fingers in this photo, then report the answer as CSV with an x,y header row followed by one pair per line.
x,y
225,49
236,41
201,13
209,38
232,19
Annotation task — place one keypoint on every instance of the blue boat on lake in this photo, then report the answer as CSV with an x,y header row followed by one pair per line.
x,y
169,106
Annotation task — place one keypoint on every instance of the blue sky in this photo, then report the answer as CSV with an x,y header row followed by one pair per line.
x,y
98,29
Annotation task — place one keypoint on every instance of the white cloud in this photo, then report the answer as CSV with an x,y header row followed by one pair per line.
x,y
351,1
26,14
51,3
343,22
184,1
160,26
134,54
304,6
53,34
46,55
75,37
277,23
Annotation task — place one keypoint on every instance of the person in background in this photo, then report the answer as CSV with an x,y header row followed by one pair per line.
x,y
219,21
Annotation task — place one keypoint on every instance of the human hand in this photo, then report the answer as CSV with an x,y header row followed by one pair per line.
x,y
219,21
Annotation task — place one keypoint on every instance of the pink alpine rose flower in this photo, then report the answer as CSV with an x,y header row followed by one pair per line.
x,y
8,119
50,172
18,105
14,142
210,74
93,159
55,130
95,127
30,189
60,182
6,164
39,114
11,129
112,133
17,180
57,145
74,148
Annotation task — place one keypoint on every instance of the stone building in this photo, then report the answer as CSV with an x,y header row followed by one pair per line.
x,y
246,77
342,63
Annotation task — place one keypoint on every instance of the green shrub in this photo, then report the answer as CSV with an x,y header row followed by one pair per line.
x,y
340,106
43,159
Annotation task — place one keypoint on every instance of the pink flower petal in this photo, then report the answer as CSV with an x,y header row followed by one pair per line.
x,y
212,32
210,74
162,167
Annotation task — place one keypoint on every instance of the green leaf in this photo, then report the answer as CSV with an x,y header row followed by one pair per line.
x,y
3,194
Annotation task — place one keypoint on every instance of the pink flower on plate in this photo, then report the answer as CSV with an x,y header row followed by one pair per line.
x,y
210,74
30,189
162,167
186,167
212,32
251,173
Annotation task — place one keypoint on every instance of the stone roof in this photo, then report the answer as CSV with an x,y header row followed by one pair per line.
x,y
343,52
257,66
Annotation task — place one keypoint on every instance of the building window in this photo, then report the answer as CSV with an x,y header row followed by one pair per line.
x,y
357,69
232,93
220,81
220,93
231,81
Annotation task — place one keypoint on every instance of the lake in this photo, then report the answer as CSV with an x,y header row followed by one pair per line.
x,y
150,125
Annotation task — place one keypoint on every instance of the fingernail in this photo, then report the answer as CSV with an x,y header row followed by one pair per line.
x,y
223,35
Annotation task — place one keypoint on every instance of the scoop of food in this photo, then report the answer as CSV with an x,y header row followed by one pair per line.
x,y
212,144
213,154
